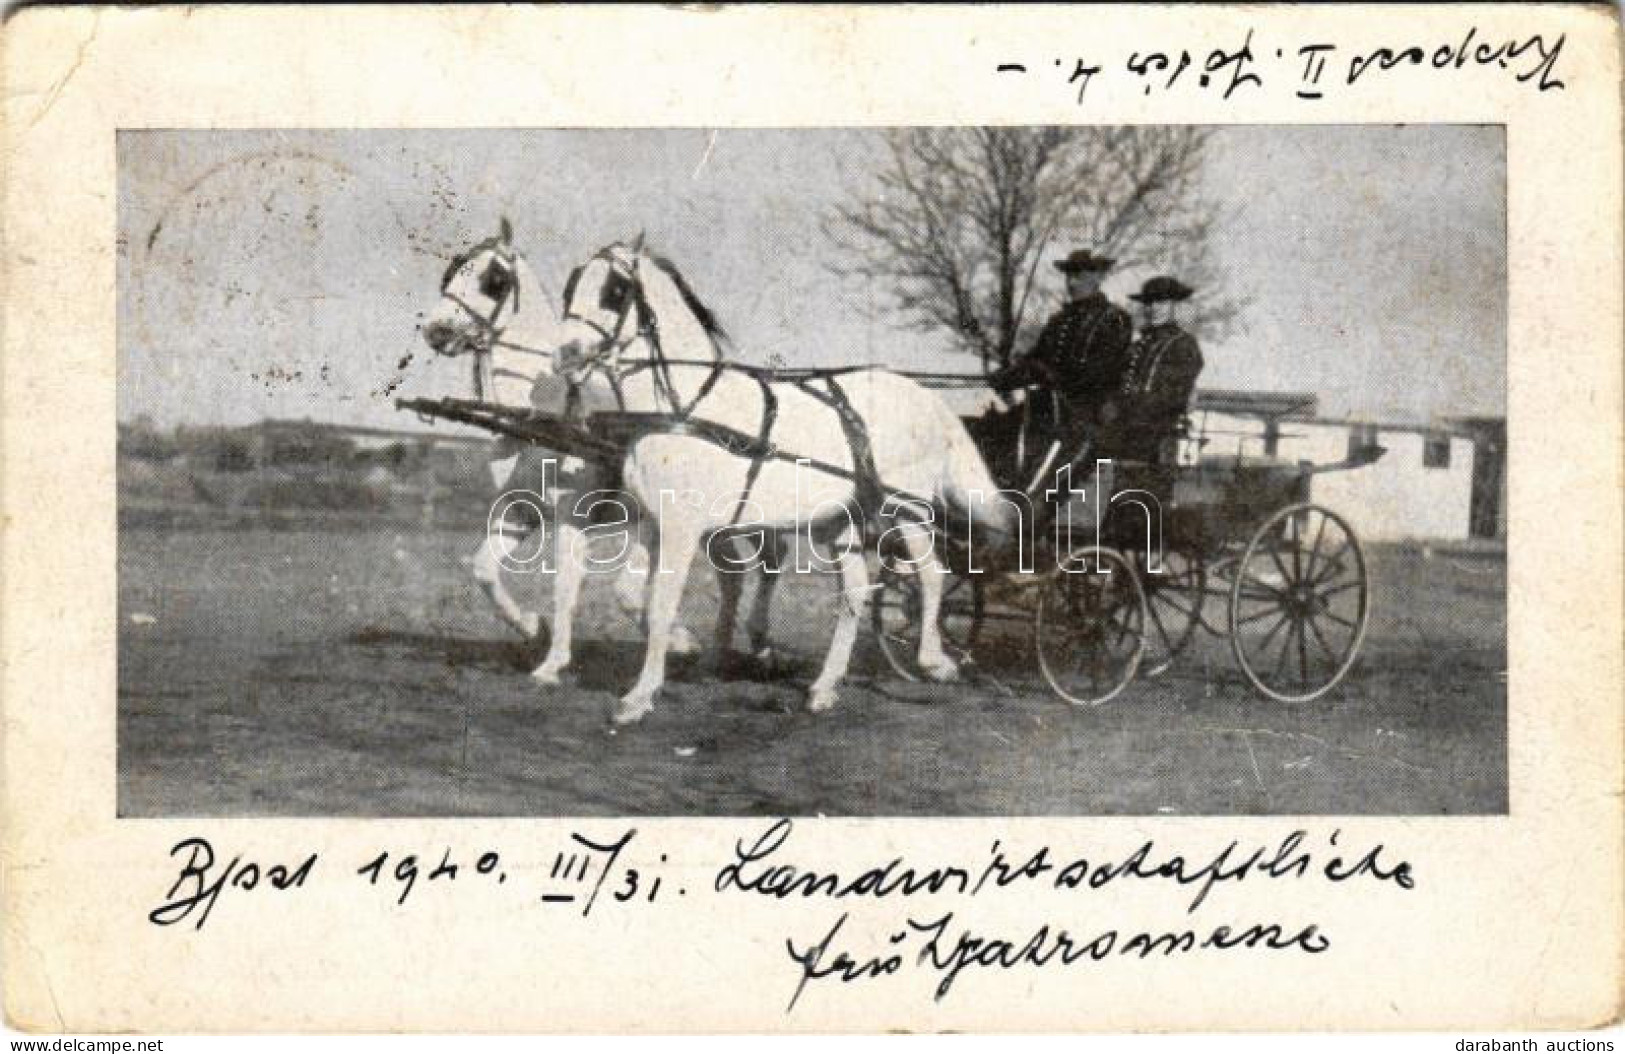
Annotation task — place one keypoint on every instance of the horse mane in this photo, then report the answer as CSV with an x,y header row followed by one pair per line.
x,y
702,313
570,286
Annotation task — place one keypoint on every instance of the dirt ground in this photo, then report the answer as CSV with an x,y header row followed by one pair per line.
x,y
359,673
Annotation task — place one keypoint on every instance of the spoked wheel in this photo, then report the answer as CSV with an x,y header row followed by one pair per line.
x,y
1221,578
1299,604
1090,627
895,615
1174,598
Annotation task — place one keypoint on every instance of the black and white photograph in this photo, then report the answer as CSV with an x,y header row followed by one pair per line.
x,y
958,471
696,520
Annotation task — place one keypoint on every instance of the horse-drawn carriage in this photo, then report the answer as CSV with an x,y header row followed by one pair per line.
x,y
1229,545
1103,588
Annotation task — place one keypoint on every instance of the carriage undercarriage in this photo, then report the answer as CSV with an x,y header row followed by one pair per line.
x,y
1291,600
1239,552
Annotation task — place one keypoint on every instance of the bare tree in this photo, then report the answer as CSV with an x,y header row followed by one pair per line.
x,y
956,222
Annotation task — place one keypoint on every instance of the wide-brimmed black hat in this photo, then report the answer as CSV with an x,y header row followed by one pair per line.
x,y
1083,260
1163,287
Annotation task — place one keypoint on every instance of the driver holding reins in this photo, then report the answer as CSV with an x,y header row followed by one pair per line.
x,y
1079,359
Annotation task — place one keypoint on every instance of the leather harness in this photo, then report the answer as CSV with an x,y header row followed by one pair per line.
x,y
573,433
871,495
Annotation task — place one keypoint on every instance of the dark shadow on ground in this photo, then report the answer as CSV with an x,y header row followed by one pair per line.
x,y
454,651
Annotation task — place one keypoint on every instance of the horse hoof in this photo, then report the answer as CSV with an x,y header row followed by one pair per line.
x,y
820,699
631,710
941,673
547,678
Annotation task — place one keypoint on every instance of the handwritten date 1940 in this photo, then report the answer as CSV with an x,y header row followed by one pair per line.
x,y
408,869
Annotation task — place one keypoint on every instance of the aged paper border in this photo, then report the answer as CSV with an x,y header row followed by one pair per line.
x,y
1516,920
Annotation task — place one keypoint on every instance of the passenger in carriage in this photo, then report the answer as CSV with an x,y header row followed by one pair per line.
x,y
1143,420
1076,366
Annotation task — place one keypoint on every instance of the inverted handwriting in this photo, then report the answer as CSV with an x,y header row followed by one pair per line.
x,y
1502,54
1297,65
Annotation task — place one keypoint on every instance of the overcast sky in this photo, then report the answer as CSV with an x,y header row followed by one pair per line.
x,y
283,274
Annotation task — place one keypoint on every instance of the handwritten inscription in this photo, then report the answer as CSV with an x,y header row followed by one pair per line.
x,y
579,873
407,870
757,868
937,942
1309,69
933,932
199,884
943,946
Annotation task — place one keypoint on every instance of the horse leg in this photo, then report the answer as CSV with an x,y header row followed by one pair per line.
x,y
632,590
678,541
632,584
488,560
730,586
935,663
567,576
853,603
761,605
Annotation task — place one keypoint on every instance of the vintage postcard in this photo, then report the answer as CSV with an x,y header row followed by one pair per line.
x,y
1099,518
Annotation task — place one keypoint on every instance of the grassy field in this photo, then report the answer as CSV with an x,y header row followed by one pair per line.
x,y
358,673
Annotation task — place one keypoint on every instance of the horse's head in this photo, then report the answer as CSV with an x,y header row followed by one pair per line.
x,y
624,298
480,296
604,310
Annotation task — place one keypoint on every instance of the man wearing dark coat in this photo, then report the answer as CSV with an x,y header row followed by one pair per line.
x,y
1079,359
1156,388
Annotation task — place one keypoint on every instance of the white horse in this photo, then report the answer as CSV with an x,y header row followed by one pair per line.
x,y
493,305
734,447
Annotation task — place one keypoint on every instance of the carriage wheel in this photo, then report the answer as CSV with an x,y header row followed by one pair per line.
x,y
1174,598
1221,578
1298,606
895,615
1090,627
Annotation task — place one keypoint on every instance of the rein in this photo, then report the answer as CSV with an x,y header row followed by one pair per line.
x,y
485,324
871,492
489,331
612,344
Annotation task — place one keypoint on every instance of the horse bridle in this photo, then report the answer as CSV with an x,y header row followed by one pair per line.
x,y
612,341
489,335
487,324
